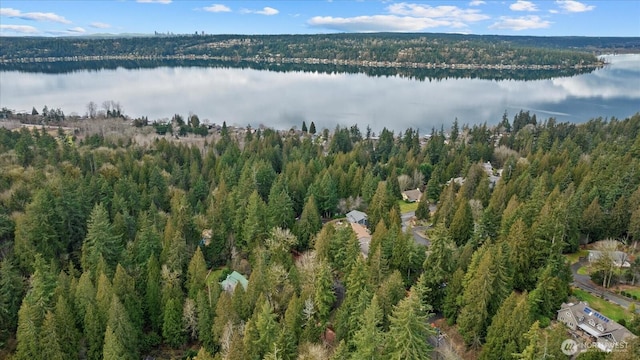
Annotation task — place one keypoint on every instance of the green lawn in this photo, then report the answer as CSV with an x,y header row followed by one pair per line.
x,y
607,309
635,292
406,207
214,276
583,270
573,258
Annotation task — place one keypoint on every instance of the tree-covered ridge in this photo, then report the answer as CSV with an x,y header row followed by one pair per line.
x,y
383,48
103,253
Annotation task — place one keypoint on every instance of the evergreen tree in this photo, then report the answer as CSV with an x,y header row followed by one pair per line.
x,y
453,298
146,243
27,334
312,128
255,224
172,324
423,212
153,298
120,335
113,348
197,274
439,265
461,227
380,205
101,241
505,335
304,126
267,330
474,315
11,291
521,252
309,224
35,231
390,292
66,330
368,339
280,209
50,342
205,320
94,330
287,340
124,287
324,296
551,290
409,330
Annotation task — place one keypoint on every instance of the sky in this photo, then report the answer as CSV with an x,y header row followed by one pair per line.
x,y
514,17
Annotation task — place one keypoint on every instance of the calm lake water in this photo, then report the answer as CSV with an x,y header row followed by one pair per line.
x,y
284,99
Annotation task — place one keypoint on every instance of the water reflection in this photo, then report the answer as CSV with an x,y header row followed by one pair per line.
x,y
283,100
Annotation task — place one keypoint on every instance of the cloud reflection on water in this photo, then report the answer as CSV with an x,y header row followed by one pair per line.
x,y
283,100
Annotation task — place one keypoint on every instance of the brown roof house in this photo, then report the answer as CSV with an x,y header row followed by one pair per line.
x,y
412,195
602,332
364,238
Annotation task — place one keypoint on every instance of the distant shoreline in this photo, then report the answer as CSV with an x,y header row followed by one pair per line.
x,y
306,61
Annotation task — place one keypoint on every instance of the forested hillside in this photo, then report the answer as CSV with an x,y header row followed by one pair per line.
x,y
407,50
112,249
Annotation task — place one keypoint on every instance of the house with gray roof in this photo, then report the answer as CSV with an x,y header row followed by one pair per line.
x,y
357,217
604,332
412,195
619,258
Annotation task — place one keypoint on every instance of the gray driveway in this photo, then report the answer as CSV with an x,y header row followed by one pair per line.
x,y
584,282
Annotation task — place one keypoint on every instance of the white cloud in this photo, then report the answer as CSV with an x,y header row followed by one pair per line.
x,y
403,17
520,23
216,8
522,5
99,25
477,3
574,6
553,11
376,23
22,29
35,16
77,30
449,13
154,1
267,11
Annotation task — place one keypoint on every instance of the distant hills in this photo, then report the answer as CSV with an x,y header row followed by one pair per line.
x,y
417,50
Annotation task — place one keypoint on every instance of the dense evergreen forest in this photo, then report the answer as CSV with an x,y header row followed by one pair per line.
x,y
407,49
112,249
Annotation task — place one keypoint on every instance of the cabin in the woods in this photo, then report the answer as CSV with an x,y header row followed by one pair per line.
x,y
412,195
229,284
357,217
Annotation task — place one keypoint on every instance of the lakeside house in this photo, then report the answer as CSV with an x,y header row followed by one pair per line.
x,y
594,328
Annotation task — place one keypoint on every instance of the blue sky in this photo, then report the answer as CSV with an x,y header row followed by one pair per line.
x,y
514,17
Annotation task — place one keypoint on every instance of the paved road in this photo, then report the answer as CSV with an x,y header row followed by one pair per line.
x,y
406,218
584,282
